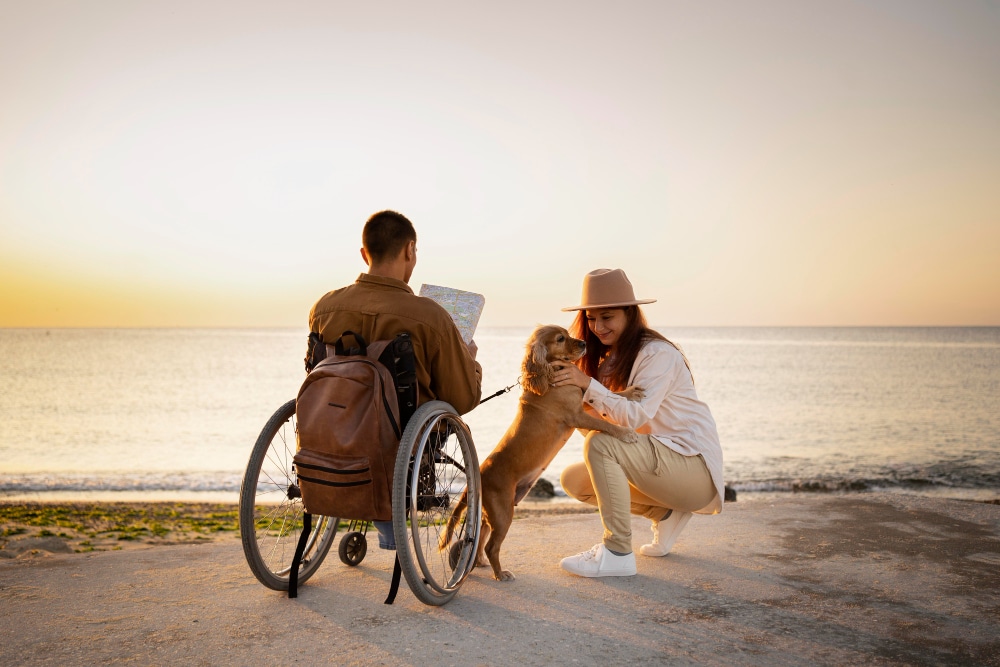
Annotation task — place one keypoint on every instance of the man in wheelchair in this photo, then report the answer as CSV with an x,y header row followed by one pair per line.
x,y
380,305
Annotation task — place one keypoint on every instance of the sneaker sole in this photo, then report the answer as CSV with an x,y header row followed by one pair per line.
x,y
599,574
595,575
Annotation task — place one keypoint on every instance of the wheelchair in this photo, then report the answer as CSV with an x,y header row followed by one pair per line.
x,y
436,461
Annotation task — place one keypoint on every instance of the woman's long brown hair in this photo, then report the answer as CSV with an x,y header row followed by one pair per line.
x,y
631,340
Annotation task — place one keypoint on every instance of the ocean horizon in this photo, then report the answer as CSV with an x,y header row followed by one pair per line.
x,y
172,413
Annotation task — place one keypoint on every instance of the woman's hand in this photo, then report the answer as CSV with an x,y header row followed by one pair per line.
x,y
567,374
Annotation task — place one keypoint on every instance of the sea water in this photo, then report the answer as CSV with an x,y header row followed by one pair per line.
x,y
173,413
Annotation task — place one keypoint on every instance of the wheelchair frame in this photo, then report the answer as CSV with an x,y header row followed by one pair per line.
x,y
436,461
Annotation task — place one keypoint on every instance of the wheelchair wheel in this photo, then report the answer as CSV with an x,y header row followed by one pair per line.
x,y
353,547
271,508
436,462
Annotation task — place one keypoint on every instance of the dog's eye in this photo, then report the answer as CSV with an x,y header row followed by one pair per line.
x,y
560,339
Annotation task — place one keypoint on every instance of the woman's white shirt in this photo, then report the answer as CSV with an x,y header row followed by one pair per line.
x,y
670,411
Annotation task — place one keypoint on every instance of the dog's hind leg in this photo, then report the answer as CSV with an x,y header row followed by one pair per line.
x,y
484,535
456,516
500,514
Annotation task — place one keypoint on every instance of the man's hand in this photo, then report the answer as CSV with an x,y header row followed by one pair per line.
x,y
473,348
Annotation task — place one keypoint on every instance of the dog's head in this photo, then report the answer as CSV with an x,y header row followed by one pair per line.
x,y
547,344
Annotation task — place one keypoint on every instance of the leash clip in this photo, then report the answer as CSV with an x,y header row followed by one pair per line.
x,y
502,391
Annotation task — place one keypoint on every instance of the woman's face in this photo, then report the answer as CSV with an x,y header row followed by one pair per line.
x,y
607,324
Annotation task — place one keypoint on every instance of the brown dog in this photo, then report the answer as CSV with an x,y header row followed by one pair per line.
x,y
546,417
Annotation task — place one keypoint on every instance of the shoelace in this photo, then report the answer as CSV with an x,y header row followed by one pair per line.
x,y
592,553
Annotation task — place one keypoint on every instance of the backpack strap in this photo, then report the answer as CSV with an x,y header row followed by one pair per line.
x,y
399,358
315,350
394,584
362,346
293,574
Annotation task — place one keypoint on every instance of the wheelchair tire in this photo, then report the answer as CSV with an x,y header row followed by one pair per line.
x,y
435,463
353,547
271,508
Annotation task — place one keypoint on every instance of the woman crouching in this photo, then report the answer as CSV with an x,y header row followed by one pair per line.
x,y
676,467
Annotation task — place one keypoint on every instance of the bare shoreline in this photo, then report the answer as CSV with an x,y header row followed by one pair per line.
x,y
822,579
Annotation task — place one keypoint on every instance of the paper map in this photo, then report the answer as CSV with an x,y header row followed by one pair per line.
x,y
464,307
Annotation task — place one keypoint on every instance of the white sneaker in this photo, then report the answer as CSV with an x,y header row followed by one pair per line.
x,y
665,532
599,562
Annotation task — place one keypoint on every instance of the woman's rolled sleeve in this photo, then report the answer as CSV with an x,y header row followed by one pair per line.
x,y
654,374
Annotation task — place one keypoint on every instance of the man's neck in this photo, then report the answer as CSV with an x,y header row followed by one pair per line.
x,y
395,270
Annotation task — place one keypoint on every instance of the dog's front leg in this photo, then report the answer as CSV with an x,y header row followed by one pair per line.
x,y
623,433
632,393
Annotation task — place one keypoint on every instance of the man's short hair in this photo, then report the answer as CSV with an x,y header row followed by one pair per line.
x,y
385,234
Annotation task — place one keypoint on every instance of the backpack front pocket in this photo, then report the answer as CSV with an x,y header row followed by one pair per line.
x,y
336,486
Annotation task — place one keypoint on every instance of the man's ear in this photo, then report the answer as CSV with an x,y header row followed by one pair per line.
x,y
536,369
364,256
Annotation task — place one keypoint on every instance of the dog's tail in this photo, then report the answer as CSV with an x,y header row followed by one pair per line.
x,y
456,516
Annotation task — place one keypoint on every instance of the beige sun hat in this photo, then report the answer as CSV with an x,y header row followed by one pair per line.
x,y
607,288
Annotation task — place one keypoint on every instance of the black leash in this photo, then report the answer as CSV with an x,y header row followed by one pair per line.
x,y
502,391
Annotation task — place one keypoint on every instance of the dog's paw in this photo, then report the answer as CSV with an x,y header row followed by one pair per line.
x,y
505,575
633,393
629,436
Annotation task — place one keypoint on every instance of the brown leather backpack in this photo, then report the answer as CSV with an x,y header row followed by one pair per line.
x,y
349,425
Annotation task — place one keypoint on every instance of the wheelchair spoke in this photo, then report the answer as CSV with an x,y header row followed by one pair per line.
x,y
270,520
432,472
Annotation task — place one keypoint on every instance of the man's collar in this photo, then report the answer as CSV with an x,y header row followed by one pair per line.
x,y
384,282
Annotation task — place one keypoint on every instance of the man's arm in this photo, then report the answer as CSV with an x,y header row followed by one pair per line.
x,y
456,376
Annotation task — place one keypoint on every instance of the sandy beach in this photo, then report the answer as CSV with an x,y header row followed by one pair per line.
x,y
846,579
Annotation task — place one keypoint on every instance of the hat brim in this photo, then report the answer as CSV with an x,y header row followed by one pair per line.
x,y
620,304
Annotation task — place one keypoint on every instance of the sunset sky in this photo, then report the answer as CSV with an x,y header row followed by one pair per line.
x,y
747,163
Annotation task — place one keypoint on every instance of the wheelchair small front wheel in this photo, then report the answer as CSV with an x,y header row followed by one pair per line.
x,y
271,508
353,547
436,467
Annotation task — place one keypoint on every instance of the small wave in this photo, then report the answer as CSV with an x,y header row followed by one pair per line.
x,y
911,484
960,474
200,482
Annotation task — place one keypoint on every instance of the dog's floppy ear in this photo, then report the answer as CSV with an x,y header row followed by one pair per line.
x,y
536,369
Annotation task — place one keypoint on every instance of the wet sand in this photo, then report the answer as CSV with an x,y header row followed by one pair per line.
x,y
850,579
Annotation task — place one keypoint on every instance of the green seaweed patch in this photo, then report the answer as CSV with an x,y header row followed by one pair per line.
x,y
122,521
